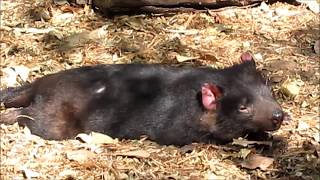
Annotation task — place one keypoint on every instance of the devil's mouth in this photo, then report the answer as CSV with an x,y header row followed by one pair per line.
x,y
266,127
275,126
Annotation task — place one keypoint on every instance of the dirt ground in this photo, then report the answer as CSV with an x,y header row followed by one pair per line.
x,y
38,38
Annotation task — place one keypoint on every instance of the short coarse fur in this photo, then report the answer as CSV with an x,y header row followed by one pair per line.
x,y
128,101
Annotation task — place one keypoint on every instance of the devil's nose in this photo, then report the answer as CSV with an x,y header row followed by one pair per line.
x,y
277,116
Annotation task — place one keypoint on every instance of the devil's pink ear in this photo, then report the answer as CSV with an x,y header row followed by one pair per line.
x,y
246,56
210,94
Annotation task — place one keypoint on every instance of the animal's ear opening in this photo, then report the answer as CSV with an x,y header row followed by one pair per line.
x,y
210,94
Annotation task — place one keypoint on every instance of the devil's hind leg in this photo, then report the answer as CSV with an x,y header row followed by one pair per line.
x,y
26,117
17,97
10,116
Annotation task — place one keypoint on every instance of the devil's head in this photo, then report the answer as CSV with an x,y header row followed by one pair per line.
x,y
244,103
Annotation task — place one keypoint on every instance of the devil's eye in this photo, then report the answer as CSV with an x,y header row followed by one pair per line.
x,y
243,109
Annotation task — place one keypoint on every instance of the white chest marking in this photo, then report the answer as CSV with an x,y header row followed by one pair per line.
x,y
101,89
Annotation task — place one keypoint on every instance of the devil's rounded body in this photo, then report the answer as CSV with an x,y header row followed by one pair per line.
x,y
171,105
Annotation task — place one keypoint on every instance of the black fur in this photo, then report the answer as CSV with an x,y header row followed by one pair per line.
x,y
127,101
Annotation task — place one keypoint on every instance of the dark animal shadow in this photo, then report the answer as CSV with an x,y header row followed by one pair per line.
x,y
298,163
292,67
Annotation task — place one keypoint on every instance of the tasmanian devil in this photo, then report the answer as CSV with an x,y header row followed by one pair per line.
x,y
171,105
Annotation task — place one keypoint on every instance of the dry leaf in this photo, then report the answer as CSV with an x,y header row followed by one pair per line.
x,y
33,30
123,176
12,75
187,148
99,138
264,7
62,18
316,137
240,142
80,39
84,138
26,131
75,57
246,45
285,12
246,143
22,72
258,57
80,155
55,35
30,174
68,173
212,175
96,138
9,77
135,153
69,9
257,161
282,11
60,2
291,88
304,104
185,58
243,153
303,126
313,5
